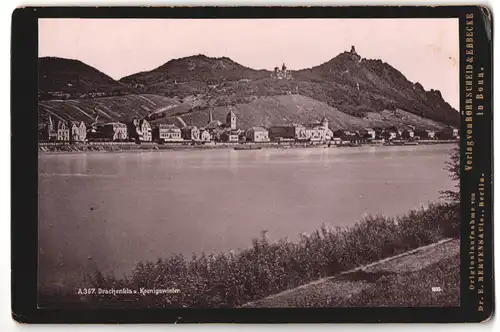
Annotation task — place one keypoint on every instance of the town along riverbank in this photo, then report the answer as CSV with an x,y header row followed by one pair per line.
x,y
151,146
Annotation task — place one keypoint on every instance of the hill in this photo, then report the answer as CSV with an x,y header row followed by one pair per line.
x,y
197,68
60,78
283,109
357,85
107,109
349,83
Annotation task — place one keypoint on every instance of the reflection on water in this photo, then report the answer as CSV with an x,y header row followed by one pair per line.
x,y
112,210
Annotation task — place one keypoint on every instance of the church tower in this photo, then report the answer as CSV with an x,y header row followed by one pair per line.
x,y
50,126
324,122
231,120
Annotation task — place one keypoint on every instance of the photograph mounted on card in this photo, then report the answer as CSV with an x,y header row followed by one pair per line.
x,y
239,162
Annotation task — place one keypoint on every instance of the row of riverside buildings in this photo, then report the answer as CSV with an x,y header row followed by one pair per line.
x,y
215,130
395,133
142,130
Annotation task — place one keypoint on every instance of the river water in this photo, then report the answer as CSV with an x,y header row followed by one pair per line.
x,y
112,210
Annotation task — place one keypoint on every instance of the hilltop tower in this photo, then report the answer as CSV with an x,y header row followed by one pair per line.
x,y
210,117
231,120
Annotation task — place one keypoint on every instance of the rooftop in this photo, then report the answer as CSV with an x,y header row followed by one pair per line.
x,y
167,126
258,129
287,125
117,124
214,124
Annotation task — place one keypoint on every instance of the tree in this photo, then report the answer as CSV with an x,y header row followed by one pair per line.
x,y
405,134
453,167
385,135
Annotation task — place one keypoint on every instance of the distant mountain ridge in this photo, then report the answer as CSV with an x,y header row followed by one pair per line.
x,y
348,83
198,68
74,79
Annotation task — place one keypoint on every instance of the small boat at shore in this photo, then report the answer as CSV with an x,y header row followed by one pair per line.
x,y
248,147
411,143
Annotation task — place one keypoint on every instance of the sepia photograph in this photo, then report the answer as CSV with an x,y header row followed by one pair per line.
x,y
249,163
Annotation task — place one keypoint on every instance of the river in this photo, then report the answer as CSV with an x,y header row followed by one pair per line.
x,y
112,210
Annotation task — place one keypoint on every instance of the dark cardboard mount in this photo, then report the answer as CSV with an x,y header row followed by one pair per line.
x,y
24,96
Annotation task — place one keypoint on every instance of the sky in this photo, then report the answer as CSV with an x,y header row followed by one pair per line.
x,y
424,50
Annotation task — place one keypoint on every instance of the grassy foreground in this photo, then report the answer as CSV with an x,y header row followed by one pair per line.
x,y
412,289
424,277
232,279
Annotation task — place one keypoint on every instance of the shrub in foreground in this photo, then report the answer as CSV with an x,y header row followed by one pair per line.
x,y
231,279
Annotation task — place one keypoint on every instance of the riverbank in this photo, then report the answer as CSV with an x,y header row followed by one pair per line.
x,y
427,276
149,146
232,279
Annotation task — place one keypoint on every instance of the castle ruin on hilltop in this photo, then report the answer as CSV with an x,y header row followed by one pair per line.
x,y
281,74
